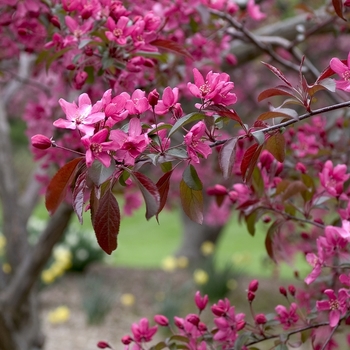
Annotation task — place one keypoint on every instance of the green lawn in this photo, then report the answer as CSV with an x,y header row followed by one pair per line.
x,y
144,244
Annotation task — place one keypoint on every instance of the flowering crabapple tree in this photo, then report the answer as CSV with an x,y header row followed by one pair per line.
x,y
103,87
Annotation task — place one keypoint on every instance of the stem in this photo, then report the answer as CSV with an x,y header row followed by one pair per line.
x,y
329,337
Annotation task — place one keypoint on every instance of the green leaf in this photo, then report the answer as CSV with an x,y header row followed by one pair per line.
x,y
192,202
57,188
227,157
241,340
276,145
106,222
173,46
185,120
149,192
98,173
161,345
192,179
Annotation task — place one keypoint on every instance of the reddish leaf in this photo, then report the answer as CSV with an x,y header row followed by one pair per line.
x,y
150,193
223,111
171,46
249,161
278,73
338,7
78,196
106,222
57,189
163,185
227,157
294,188
192,202
273,229
276,144
280,90
279,112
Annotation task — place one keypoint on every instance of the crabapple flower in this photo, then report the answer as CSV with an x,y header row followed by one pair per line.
x,y
214,89
254,11
170,97
343,70
81,116
316,261
131,144
336,305
137,103
97,148
287,318
333,178
194,143
118,32
142,331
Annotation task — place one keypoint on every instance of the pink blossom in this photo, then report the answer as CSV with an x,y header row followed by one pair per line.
x,y
215,88
78,30
142,331
194,142
79,117
333,178
137,103
316,261
254,11
287,318
97,148
337,306
343,70
119,31
170,98
131,144
333,242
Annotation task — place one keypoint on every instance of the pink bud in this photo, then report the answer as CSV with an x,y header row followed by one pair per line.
x,y
301,167
80,79
192,318
250,296
217,190
179,322
161,320
103,345
283,291
153,97
200,301
126,340
260,319
291,289
266,219
202,327
217,310
253,286
41,142
55,21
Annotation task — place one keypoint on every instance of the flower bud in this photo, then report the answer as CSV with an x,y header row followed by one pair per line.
x,y
103,345
217,190
80,79
253,286
202,327
260,319
161,320
217,310
153,98
250,296
266,219
283,291
41,142
126,340
179,322
292,290
301,167
200,301
55,21
192,318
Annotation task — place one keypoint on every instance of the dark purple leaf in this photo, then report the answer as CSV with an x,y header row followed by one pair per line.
x,y
78,196
171,46
163,185
227,157
150,193
278,73
106,222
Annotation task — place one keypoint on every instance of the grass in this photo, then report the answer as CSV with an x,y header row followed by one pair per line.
x,y
145,244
